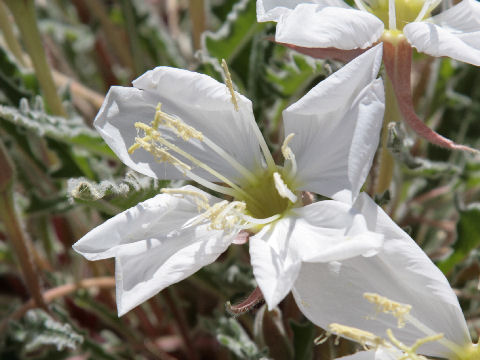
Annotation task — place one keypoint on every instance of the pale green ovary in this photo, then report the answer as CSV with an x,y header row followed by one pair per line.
x,y
268,200
406,11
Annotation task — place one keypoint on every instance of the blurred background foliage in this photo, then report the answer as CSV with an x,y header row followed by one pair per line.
x,y
58,179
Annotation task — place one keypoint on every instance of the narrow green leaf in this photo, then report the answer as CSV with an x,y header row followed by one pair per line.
x,y
235,33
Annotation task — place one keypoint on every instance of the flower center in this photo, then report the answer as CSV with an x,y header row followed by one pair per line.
x,y
469,352
271,193
395,14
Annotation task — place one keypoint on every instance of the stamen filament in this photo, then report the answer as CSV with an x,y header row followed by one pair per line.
x,y
361,5
428,6
155,135
411,352
186,132
235,164
201,199
392,18
210,185
402,313
429,332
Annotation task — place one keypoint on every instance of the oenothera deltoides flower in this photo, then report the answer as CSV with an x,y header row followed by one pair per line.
x,y
331,28
333,293
177,124
449,340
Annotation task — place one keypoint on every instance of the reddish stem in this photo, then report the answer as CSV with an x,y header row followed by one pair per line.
x,y
398,64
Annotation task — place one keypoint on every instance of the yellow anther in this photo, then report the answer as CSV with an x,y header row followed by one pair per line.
x,y
160,154
227,216
201,200
286,150
142,126
186,132
361,336
229,83
388,306
156,119
133,148
223,215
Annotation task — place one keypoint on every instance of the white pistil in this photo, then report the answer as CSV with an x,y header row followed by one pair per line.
x,y
392,18
256,221
283,189
289,155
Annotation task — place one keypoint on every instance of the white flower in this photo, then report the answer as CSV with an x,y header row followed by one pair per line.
x,y
332,29
434,342
332,23
177,124
400,271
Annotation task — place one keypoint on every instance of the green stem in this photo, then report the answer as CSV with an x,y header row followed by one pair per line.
x,y
9,35
392,113
24,13
14,229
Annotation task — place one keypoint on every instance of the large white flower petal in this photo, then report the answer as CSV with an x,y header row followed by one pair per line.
x,y
159,217
325,231
274,260
337,128
143,271
463,17
271,10
197,99
332,231
317,26
401,272
435,40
